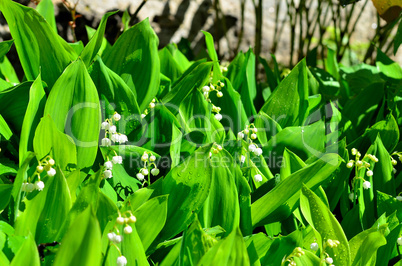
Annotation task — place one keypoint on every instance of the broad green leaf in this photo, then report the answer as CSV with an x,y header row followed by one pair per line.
x,y
39,47
290,164
5,195
221,206
232,108
284,197
267,127
229,251
288,103
5,46
34,112
132,249
363,247
388,68
82,242
46,9
116,95
87,197
195,244
384,253
188,186
331,63
19,179
73,104
106,210
93,46
304,141
5,130
209,40
49,140
13,104
45,211
27,254
323,221
281,247
195,77
151,217
169,67
134,57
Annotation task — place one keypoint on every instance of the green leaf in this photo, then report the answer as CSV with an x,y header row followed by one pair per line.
x,y
93,46
195,77
169,67
284,197
134,57
229,251
5,131
195,244
34,112
323,221
49,140
27,254
13,104
5,46
45,211
209,40
5,195
288,103
82,242
221,206
188,186
21,177
73,104
151,217
132,249
116,95
39,47
364,246
46,9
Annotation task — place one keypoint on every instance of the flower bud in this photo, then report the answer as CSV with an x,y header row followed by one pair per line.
x,y
246,131
366,185
155,171
116,117
107,173
242,159
118,239
143,115
240,135
219,94
144,171
51,162
132,219
120,220
121,261
39,169
329,260
253,136
111,236
258,151
108,165
152,105
112,129
152,158
359,163
117,160
314,246
140,176
128,230
51,172
252,147
106,142
255,130
205,89
218,117
105,125
354,151
219,147
369,173
399,198
39,185
349,164
399,241
144,157
258,178
30,187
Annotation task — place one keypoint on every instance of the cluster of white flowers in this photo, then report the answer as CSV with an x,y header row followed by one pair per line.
x,y
111,135
45,165
149,161
116,238
297,252
108,166
250,132
150,106
207,89
359,164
